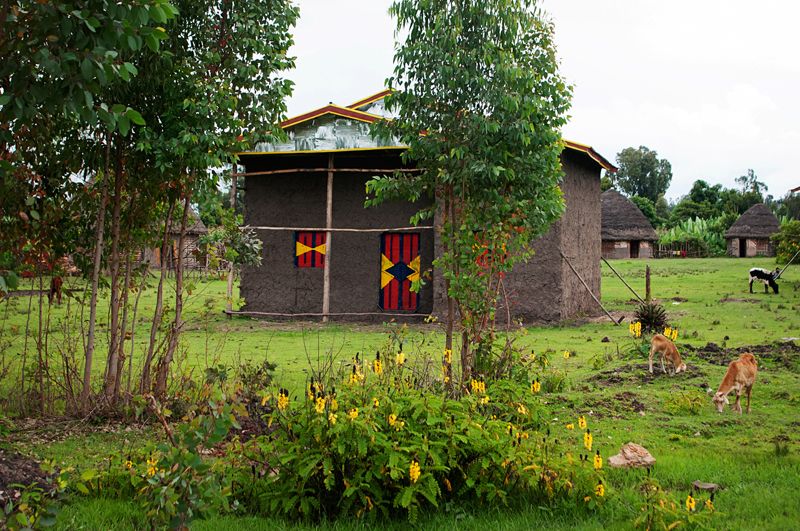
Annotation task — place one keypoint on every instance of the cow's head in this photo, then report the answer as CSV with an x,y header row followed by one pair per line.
x,y
681,368
720,400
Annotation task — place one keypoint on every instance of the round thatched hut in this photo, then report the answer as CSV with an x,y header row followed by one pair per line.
x,y
625,231
749,235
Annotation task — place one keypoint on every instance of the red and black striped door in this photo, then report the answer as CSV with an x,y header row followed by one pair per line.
x,y
400,267
309,249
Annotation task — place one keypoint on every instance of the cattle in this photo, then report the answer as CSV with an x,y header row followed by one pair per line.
x,y
765,276
739,378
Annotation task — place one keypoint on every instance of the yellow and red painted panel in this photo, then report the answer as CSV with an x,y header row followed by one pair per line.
x,y
400,267
309,249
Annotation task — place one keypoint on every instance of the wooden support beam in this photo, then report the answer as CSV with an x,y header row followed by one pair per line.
x,y
589,289
622,279
326,275
380,171
331,229
323,315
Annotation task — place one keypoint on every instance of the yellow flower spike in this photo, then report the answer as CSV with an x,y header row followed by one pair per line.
x,y
448,356
334,404
587,440
353,414
674,334
536,387
392,420
414,471
522,410
400,358
319,404
598,461
128,464
566,354
376,403
690,503
582,422
570,426
668,332
600,490
377,367
484,400
709,505
332,418
283,399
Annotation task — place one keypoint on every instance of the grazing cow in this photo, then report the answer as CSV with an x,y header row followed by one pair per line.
x,y
765,276
740,377
667,349
55,289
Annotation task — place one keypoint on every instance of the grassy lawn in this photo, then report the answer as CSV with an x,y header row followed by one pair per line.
x,y
707,300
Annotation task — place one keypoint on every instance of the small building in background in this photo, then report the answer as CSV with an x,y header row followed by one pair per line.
x,y
625,231
194,253
750,234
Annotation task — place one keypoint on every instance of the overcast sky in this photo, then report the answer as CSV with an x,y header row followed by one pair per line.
x,y
713,86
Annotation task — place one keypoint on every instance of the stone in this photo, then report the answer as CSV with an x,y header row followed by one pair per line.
x,y
632,455
701,485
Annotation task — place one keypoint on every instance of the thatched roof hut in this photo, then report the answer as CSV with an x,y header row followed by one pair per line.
x,y
194,225
749,235
758,222
625,231
622,219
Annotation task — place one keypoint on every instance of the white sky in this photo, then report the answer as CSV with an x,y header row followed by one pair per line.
x,y
713,86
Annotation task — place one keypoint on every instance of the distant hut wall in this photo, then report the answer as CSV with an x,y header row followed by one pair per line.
x,y
299,200
622,249
753,247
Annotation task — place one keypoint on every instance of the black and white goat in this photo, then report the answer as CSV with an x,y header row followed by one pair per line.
x,y
765,276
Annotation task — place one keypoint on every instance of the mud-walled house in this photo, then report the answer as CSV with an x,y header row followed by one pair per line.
x,y
626,232
192,251
326,255
750,234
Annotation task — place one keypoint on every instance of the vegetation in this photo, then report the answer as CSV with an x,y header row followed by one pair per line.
x,y
481,80
787,241
703,237
641,173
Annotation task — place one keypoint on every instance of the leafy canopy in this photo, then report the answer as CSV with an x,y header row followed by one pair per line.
x,y
642,173
479,102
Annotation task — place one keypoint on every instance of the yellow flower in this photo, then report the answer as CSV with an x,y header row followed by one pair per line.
x,y
709,505
690,503
522,410
375,402
587,499
598,461
264,400
536,387
283,399
566,354
128,464
353,414
151,471
668,332
484,400
320,404
356,376
377,366
674,334
392,420
448,356
400,358
414,471
570,426
582,422
600,490
587,440
332,418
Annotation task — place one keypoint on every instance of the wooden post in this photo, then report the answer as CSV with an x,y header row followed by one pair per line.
x,y
585,285
326,275
622,279
647,284
231,270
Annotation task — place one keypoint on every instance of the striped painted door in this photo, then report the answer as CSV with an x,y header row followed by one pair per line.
x,y
399,268
309,249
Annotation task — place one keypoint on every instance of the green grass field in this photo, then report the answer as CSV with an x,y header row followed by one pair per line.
x,y
707,300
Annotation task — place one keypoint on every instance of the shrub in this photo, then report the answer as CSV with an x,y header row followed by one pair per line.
x,y
380,445
787,241
652,315
685,403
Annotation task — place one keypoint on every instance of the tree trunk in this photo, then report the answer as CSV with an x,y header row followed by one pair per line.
x,y
113,343
177,325
98,262
122,329
158,313
231,267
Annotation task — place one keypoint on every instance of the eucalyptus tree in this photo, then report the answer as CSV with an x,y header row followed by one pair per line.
x,y
480,102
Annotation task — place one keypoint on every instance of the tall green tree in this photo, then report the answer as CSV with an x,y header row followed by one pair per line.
x,y
480,103
642,173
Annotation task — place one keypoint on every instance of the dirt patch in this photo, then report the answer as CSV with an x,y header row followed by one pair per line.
x,y
786,355
629,402
16,469
679,299
734,299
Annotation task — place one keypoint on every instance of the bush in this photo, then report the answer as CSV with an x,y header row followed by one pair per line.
x,y
652,315
686,403
787,241
381,445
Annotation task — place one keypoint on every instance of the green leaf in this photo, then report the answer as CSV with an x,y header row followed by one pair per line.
x,y
82,488
134,116
124,125
4,99
158,14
